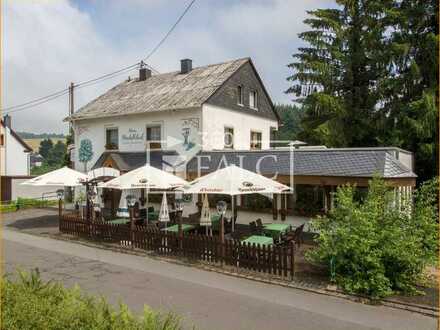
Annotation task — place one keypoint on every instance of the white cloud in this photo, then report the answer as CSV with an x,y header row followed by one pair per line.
x,y
48,44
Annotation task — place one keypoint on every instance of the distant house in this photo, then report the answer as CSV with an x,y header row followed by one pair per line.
x,y
14,152
36,160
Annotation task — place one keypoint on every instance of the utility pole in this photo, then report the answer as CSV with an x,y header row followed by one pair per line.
x,y
71,105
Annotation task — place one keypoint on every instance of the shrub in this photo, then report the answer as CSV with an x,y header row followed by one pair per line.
x,y
373,247
30,303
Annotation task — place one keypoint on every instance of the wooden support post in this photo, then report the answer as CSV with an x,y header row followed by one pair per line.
x,y
130,212
180,229
222,237
275,206
292,260
60,212
283,206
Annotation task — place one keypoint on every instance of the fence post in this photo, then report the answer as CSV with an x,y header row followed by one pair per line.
x,y
130,212
60,212
292,260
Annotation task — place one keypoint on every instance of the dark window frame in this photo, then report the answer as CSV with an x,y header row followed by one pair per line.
x,y
111,145
258,145
154,143
240,95
227,130
255,97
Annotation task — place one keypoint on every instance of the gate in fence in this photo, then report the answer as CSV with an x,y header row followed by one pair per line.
x,y
275,260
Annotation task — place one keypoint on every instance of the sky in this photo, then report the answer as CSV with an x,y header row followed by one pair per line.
x,y
49,43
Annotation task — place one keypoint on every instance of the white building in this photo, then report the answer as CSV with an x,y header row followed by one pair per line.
x,y
214,107
196,120
14,152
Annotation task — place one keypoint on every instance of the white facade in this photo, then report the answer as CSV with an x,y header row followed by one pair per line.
x,y
14,158
216,119
200,129
132,132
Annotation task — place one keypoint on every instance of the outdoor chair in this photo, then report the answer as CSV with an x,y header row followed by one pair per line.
x,y
298,235
260,226
255,229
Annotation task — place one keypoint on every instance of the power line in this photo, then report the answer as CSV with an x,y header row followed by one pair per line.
x,y
36,100
169,31
22,107
50,97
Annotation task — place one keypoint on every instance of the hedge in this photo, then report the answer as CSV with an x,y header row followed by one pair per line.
x,y
28,302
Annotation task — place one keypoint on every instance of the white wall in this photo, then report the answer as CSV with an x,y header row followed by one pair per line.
x,y
18,190
14,159
216,118
172,122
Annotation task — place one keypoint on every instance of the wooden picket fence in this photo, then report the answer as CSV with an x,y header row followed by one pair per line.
x,y
274,260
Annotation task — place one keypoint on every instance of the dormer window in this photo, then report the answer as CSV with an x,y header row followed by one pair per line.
x,y
240,95
253,100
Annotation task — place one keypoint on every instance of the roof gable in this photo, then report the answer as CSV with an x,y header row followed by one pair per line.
x,y
249,80
26,147
168,91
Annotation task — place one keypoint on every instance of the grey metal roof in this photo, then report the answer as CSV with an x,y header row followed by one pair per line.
x,y
168,91
127,161
323,162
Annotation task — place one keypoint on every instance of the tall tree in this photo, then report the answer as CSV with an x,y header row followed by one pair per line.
x,y
291,116
368,77
45,147
410,92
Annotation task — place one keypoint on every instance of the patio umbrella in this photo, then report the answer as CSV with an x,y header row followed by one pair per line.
x,y
123,207
164,215
146,177
232,181
205,217
63,177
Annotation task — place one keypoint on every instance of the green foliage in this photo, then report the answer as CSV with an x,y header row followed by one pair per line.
x,y
53,156
367,76
30,303
25,203
28,135
291,116
375,247
69,140
85,152
45,147
44,168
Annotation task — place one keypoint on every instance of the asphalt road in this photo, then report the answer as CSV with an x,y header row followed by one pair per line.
x,y
205,299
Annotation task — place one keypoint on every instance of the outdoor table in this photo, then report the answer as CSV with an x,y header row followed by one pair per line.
x,y
275,230
153,215
262,240
215,221
119,221
175,228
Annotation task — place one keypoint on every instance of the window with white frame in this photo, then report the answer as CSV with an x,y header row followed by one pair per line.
x,y
240,95
229,138
111,138
253,100
154,136
255,140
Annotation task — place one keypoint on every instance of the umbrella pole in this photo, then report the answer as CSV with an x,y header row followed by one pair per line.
x,y
147,205
233,212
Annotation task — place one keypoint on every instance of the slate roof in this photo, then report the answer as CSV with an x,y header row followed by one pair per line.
x,y
167,91
127,161
26,146
323,162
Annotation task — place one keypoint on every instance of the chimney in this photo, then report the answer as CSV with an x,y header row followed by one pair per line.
x,y
185,65
144,73
7,121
